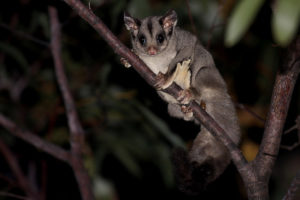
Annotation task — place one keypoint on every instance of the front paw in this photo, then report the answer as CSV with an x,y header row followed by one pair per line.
x,y
188,112
125,62
160,81
185,96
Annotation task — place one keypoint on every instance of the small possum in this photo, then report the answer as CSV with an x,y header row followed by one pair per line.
x,y
179,57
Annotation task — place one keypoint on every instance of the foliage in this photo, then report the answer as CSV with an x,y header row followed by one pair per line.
x,y
285,20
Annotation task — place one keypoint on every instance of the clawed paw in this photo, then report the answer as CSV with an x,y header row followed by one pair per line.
x,y
125,62
183,67
186,109
188,112
185,64
185,96
160,81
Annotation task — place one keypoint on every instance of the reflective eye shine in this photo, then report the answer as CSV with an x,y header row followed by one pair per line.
x,y
142,40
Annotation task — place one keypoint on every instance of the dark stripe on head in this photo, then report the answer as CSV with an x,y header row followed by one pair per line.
x,y
160,21
170,32
132,35
149,26
138,22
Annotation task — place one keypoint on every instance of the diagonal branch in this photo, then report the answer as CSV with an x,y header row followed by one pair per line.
x,y
34,140
76,130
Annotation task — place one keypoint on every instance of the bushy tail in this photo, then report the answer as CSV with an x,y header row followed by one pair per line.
x,y
206,161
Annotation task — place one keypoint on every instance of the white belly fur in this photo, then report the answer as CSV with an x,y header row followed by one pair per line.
x,y
158,63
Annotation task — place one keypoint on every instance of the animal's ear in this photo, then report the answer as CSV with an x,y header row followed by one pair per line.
x,y
131,23
169,20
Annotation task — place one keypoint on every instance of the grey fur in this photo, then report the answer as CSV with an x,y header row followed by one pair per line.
x,y
206,84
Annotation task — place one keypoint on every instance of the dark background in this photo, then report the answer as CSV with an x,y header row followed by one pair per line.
x,y
130,136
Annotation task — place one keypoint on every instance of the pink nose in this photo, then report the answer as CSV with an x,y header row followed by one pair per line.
x,y
152,50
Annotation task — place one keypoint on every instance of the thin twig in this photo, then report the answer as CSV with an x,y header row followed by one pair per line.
x,y
17,171
243,107
6,194
291,129
34,140
294,187
76,130
24,35
290,147
295,127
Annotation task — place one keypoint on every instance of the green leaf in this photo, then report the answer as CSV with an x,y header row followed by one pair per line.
x,y
285,21
164,164
241,19
127,160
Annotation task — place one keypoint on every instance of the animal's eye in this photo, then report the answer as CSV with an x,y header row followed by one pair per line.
x,y
160,38
142,40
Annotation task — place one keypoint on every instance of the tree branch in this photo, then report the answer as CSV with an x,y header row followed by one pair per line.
x,y
280,101
76,130
255,115
34,140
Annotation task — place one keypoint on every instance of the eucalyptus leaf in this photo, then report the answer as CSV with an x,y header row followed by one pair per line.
x,y
285,21
127,160
165,165
241,19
